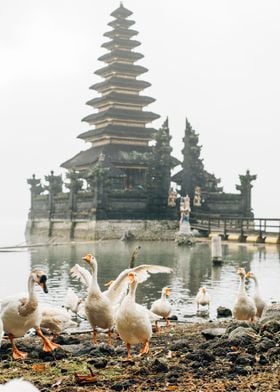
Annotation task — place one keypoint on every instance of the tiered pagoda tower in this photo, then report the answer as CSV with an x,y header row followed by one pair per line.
x,y
119,134
119,125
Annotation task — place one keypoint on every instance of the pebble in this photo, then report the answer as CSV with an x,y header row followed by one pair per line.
x,y
223,312
212,333
160,365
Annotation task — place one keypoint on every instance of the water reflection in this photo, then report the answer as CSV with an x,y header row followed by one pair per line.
x,y
192,269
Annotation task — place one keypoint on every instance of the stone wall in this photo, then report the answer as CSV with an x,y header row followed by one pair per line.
x,y
86,230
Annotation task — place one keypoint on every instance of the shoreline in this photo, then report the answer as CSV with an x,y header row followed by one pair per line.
x,y
180,359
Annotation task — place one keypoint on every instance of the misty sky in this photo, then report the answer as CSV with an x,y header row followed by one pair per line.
x,y
216,62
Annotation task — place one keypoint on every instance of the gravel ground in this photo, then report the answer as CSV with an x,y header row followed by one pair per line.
x,y
222,356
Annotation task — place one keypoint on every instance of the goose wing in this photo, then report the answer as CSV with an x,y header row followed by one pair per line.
x,y
82,274
121,282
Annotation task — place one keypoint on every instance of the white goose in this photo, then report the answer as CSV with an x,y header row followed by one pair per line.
x,y
259,302
244,307
56,319
100,307
162,307
18,385
133,321
1,330
202,298
72,301
20,313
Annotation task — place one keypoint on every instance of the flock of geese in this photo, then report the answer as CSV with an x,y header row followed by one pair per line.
x,y
245,308
115,307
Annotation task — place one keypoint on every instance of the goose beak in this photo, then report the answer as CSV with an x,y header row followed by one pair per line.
x,y
167,291
87,258
131,277
248,275
43,283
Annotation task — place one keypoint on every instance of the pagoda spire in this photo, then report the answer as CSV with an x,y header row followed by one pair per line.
x,y
119,104
119,116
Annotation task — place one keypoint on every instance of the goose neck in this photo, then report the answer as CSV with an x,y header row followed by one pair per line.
x,y
132,290
31,290
242,285
94,286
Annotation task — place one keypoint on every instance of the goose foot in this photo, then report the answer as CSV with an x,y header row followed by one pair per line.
x,y
157,327
17,354
145,349
48,345
94,334
110,337
129,356
167,322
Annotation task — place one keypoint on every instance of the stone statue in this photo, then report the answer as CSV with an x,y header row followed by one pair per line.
x,y
245,189
184,235
185,215
197,196
172,197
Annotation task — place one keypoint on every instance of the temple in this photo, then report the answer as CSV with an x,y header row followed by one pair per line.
x,y
127,173
119,135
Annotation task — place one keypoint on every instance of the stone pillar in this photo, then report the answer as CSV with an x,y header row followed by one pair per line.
x,y
35,189
245,189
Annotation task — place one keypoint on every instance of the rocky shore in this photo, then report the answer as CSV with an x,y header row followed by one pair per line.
x,y
213,356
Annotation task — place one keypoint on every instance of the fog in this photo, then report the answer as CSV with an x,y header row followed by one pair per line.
x,y
215,62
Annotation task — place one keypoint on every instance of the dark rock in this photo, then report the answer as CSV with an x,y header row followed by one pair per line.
x,y
242,371
143,371
212,333
272,326
56,354
201,355
120,350
173,317
221,351
274,353
265,345
172,375
99,363
236,324
63,370
180,345
270,313
251,349
196,365
106,349
241,336
65,340
263,360
121,386
268,335
233,355
84,350
160,365
6,365
173,380
223,312
245,359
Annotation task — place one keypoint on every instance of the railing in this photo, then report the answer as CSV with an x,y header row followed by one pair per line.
x,y
228,225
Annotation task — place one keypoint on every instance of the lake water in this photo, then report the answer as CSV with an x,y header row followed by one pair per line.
x,y
192,269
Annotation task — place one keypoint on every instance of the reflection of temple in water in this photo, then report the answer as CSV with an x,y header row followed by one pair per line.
x,y
195,265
